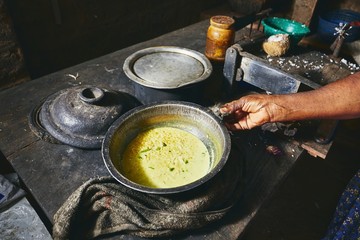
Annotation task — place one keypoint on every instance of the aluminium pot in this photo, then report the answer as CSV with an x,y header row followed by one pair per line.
x,y
190,117
168,73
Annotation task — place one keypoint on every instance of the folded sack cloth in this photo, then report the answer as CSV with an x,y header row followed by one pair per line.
x,y
103,206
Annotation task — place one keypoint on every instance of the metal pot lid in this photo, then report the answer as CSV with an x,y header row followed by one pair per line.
x,y
167,67
80,116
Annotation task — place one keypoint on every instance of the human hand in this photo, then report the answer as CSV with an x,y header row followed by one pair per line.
x,y
247,112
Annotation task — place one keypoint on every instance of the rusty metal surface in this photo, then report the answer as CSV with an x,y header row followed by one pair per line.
x,y
305,62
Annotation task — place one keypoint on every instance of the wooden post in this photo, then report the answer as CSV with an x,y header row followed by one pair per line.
x,y
302,11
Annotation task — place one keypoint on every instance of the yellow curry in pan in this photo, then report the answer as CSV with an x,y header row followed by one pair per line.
x,y
165,157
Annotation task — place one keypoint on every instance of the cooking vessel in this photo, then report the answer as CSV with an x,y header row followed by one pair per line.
x,y
168,73
190,117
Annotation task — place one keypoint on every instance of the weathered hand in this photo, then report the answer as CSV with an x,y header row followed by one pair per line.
x,y
247,112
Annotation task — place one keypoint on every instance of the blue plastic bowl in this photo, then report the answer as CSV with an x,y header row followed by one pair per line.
x,y
331,20
276,25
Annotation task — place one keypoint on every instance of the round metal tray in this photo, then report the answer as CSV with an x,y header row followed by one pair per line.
x,y
167,67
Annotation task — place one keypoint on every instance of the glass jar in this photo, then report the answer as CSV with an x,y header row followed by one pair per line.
x,y
220,36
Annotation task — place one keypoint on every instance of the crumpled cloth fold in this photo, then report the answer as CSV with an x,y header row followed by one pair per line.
x,y
103,206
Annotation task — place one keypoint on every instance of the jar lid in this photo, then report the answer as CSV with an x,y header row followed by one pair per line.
x,y
80,116
221,21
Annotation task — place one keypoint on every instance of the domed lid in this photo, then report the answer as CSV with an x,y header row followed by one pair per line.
x,y
80,116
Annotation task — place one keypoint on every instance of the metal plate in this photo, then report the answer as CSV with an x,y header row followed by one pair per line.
x,y
167,67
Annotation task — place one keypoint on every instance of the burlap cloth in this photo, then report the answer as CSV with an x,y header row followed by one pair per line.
x,y
103,206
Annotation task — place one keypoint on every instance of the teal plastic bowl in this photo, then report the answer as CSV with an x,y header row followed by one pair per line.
x,y
276,25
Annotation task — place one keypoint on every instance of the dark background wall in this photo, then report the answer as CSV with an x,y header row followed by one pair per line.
x,y
54,36
39,37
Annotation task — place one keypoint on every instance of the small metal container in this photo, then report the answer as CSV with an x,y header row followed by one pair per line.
x,y
167,73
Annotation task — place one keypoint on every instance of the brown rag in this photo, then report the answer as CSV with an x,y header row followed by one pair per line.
x,y
103,206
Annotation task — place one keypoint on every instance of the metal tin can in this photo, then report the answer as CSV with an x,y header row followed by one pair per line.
x,y
220,36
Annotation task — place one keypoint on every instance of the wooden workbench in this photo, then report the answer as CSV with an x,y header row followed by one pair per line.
x,y
51,172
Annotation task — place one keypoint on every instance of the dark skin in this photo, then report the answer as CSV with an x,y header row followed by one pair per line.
x,y
337,100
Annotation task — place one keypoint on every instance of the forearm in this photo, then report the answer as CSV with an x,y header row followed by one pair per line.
x,y
337,100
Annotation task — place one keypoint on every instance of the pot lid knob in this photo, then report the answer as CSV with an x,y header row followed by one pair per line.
x,y
91,95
